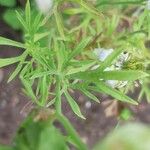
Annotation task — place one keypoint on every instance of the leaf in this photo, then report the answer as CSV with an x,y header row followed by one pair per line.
x,y
21,20
79,48
41,74
19,67
73,11
71,132
124,138
127,75
37,21
14,74
122,75
8,61
51,102
8,3
28,14
60,54
51,139
44,89
5,41
89,8
91,76
28,88
83,88
73,105
130,2
80,69
39,134
40,36
5,148
59,23
90,95
114,93
10,18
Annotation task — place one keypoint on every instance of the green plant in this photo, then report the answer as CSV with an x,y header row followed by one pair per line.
x,y
129,137
49,69
8,3
38,132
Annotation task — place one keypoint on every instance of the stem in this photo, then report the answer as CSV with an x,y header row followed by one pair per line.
x,y
58,96
71,131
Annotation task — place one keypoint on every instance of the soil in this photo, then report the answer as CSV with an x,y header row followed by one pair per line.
x,y
98,121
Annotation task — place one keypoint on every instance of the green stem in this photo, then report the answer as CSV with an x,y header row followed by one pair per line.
x,y
58,96
71,131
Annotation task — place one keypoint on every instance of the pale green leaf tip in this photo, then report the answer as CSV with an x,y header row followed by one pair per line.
x,y
135,103
83,117
8,81
98,101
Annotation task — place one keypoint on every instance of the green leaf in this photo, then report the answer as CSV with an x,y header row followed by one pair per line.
x,y
14,74
83,87
28,14
41,74
123,75
127,137
51,139
5,41
51,102
40,36
37,22
80,47
19,67
39,134
125,114
5,148
10,18
28,88
21,20
89,7
80,69
130,2
73,105
90,95
59,23
73,11
71,132
60,54
44,90
114,93
8,3
91,76
8,61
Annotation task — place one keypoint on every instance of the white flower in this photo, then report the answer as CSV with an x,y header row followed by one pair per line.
x,y
102,54
123,57
112,83
44,5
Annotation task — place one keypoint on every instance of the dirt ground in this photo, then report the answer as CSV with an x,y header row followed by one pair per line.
x,y
12,103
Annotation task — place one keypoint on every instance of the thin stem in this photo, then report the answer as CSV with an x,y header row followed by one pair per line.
x,y
58,96
71,131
